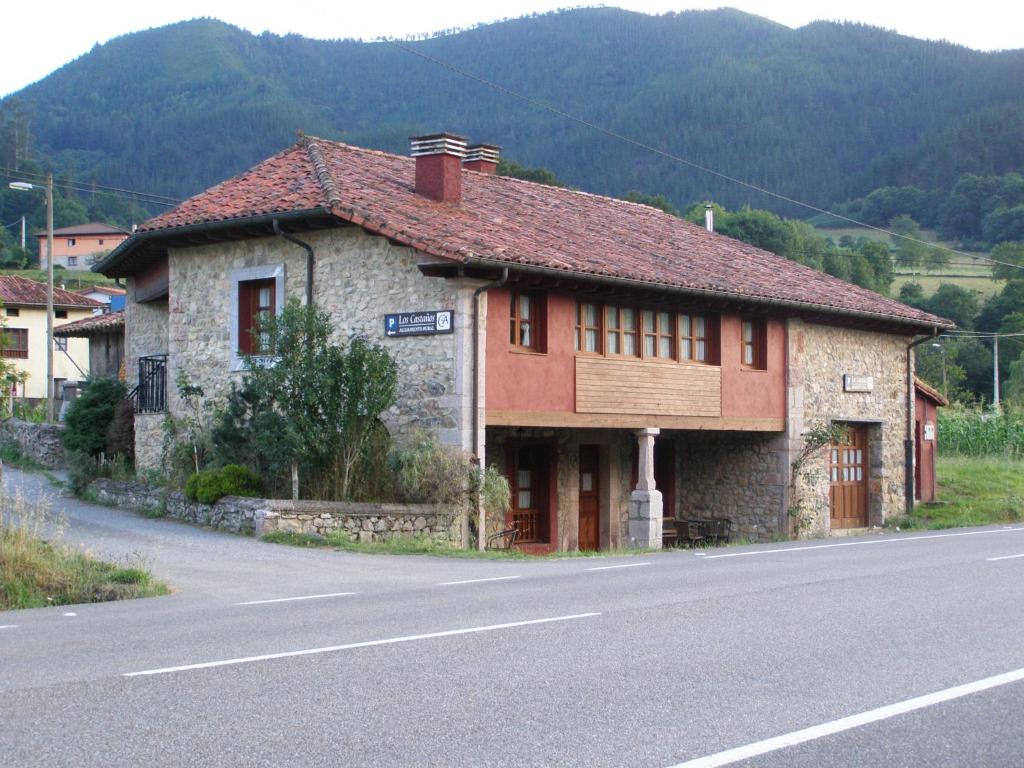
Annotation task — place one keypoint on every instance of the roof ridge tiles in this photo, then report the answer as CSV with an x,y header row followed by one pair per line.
x,y
323,174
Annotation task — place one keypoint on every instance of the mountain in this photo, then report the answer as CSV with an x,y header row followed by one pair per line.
x,y
822,113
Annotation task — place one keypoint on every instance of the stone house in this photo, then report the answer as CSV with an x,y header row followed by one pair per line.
x,y
626,369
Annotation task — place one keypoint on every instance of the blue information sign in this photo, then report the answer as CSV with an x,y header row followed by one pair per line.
x,y
419,323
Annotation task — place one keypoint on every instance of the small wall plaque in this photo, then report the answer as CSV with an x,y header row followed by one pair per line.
x,y
854,383
929,431
428,323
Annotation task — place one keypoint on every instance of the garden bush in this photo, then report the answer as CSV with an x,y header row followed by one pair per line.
x,y
88,417
209,485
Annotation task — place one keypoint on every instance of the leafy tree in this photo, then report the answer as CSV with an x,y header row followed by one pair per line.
x,y
912,294
955,303
1012,257
539,175
655,201
1007,301
330,397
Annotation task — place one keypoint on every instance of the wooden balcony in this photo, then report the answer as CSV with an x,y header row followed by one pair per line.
x,y
643,388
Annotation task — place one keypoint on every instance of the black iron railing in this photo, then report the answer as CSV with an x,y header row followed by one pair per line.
x,y
150,395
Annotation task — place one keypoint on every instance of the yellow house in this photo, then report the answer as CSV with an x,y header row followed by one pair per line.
x,y
24,316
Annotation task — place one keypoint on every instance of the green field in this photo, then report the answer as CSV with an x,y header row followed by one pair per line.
x,y
975,276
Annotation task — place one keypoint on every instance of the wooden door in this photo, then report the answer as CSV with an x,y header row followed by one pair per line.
x,y
529,481
590,528
848,479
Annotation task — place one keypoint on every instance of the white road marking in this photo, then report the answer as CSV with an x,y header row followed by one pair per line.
x,y
303,597
366,644
748,751
1004,557
610,567
862,543
9,626
69,614
476,581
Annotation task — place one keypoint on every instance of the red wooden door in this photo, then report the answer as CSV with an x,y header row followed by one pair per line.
x,y
529,481
590,529
848,479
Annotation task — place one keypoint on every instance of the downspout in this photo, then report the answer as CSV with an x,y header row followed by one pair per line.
x,y
309,259
908,441
477,437
309,303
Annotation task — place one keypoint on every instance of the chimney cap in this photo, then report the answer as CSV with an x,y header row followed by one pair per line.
x,y
438,144
488,153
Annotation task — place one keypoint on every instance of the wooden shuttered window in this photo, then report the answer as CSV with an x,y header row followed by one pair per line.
x,y
257,300
754,344
15,343
527,321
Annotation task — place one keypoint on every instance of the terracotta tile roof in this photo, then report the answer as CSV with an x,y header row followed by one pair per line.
x,y
92,228
17,291
930,392
109,322
506,221
110,290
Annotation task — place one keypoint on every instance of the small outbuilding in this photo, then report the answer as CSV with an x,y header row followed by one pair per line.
x,y
106,341
927,402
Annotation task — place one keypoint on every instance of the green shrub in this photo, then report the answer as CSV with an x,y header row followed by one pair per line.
x,y
121,432
236,480
209,485
82,470
427,472
88,417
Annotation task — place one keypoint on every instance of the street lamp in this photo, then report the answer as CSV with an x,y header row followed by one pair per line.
x,y
24,186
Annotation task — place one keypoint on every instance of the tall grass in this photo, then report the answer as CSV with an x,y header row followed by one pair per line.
x,y
967,431
38,569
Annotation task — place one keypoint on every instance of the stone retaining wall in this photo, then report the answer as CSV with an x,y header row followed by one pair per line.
x,y
362,522
40,442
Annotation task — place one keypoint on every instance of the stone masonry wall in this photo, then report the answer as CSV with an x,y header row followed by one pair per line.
x,y
40,442
358,278
819,356
362,522
737,475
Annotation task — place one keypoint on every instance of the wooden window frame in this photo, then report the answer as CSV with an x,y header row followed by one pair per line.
x,y
12,311
17,343
658,333
756,341
582,328
620,331
537,322
710,338
249,312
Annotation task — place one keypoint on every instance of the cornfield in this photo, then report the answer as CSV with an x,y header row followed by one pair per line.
x,y
973,432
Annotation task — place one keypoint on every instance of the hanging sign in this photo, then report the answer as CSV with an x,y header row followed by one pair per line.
x,y
427,323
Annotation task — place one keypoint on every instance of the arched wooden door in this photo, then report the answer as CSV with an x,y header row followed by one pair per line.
x,y
848,478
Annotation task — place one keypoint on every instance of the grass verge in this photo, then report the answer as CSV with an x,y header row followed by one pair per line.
x,y
36,572
973,490
422,545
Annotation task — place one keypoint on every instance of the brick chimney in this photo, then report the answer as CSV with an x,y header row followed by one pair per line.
x,y
482,158
439,166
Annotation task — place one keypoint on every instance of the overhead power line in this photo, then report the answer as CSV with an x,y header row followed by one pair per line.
x,y
89,187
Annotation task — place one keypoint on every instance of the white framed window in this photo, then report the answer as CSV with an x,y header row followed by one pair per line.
x,y
255,292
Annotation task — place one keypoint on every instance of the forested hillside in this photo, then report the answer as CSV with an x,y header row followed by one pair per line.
x,y
824,113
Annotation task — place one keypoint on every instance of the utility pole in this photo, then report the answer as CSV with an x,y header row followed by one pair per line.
x,y
23,233
995,371
49,298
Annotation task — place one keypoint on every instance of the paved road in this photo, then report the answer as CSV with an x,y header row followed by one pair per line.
x,y
655,661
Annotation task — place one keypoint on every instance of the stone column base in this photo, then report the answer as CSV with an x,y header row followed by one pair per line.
x,y
645,516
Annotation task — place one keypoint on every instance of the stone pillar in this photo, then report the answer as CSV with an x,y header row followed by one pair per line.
x,y
645,512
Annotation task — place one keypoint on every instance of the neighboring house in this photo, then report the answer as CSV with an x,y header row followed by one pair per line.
x,y
78,246
623,367
927,402
24,313
105,334
111,297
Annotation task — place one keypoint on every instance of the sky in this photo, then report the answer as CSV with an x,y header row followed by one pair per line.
x,y
42,36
